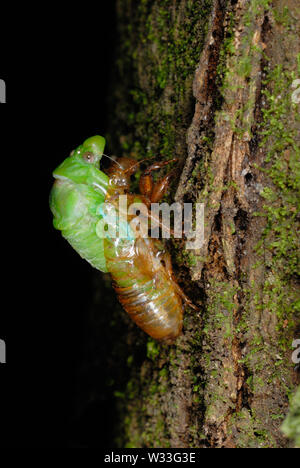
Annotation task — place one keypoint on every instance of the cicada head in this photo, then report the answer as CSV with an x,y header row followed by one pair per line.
x,y
82,165
91,150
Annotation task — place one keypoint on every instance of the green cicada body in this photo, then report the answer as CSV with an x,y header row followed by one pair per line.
x,y
140,267
75,200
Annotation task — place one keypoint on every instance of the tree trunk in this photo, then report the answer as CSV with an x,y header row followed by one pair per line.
x,y
210,82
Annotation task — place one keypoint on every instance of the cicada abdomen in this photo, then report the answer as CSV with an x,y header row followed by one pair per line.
x,y
144,287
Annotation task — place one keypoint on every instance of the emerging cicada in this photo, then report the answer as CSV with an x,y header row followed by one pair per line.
x,y
140,267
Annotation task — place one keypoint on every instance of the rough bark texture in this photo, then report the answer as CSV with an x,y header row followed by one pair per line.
x,y
210,82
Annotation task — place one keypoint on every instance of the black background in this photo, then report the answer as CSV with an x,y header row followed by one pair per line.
x,y
57,68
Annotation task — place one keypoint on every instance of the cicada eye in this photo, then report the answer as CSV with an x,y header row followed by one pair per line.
x,y
89,157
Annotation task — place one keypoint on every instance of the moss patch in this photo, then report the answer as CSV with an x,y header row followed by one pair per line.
x,y
291,425
282,198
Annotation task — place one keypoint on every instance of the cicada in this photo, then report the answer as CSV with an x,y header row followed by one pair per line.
x,y
140,267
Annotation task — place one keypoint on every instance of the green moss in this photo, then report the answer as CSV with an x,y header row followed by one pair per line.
x,y
227,49
282,16
187,257
220,325
235,69
152,349
282,198
170,54
291,425
220,308
118,394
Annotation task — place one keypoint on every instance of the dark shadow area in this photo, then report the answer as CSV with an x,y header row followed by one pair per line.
x,y
57,83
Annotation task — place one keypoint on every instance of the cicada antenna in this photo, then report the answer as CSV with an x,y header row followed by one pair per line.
x,y
112,159
136,164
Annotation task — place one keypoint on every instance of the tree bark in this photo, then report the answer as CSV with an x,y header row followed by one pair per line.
x,y
210,82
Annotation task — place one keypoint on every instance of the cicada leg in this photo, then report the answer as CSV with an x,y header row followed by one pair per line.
x,y
155,192
166,260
